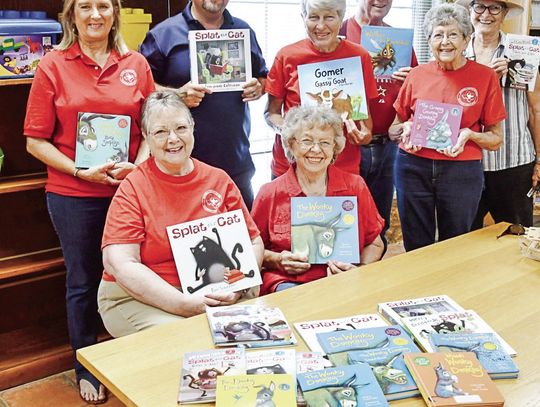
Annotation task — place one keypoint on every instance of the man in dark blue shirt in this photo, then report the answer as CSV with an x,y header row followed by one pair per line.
x,y
222,119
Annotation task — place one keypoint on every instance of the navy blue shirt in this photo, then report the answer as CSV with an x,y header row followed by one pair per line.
x,y
222,121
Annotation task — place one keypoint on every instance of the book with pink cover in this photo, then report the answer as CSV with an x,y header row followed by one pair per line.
x,y
436,125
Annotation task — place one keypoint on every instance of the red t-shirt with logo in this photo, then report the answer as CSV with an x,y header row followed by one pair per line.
x,y
473,86
282,83
381,108
68,82
149,200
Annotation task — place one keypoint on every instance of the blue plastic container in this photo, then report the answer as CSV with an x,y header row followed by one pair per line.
x,y
25,36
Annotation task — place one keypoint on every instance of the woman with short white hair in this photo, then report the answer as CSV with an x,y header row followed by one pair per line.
x,y
322,20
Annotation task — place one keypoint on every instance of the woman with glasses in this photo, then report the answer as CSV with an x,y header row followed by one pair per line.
x,y
140,286
438,190
312,139
512,170
322,21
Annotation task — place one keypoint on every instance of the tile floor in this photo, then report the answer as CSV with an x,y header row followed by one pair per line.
x,y
60,390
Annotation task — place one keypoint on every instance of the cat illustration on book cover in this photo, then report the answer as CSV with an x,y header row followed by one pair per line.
x,y
212,261
446,385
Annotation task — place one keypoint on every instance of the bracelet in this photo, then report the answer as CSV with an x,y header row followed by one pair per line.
x,y
76,172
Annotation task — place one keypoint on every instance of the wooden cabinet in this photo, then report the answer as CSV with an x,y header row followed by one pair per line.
x,y
33,332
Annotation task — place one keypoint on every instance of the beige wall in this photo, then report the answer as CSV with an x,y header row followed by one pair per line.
x,y
519,24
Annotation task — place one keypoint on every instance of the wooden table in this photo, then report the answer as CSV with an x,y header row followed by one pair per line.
x,y
477,270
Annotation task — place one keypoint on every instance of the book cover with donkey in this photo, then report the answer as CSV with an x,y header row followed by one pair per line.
x,y
338,84
200,371
214,254
325,228
265,390
390,48
436,125
341,386
523,53
101,138
220,59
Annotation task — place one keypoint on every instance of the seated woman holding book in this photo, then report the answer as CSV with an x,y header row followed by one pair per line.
x,y
439,187
312,139
140,286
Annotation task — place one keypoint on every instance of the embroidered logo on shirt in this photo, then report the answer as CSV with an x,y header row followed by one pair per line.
x,y
467,96
128,77
211,201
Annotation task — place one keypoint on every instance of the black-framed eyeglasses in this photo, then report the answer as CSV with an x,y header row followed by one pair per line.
x,y
494,9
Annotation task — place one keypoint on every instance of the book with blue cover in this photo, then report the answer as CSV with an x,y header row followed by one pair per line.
x,y
325,228
388,366
352,385
101,138
390,48
338,84
485,346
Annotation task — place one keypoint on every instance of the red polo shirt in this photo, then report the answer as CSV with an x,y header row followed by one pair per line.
x,y
272,214
68,82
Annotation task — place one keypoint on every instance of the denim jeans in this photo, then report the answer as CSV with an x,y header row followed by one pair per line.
x,y
79,224
243,182
377,169
286,286
436,195
505,196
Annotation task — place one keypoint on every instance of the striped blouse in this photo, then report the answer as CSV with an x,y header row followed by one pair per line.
x,y
518,147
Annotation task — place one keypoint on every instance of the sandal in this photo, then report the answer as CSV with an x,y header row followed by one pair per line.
x,y
90,391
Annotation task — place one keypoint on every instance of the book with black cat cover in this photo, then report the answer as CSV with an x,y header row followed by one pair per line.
x,y
252,326
101,138
452,379
214,254
271,361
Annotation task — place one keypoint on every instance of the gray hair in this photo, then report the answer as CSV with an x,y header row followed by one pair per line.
x,y
302,118
70,35
339,6
446,14
162,99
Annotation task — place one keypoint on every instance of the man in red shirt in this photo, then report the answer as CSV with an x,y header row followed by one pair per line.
x,y
377,164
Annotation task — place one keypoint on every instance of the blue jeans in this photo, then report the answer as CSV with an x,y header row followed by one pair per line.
x,y
377,169
436,195
243,182
79,224
285,286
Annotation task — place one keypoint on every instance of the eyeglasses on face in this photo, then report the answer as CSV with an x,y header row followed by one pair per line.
x,y
163,133
308,144
494,9
439,37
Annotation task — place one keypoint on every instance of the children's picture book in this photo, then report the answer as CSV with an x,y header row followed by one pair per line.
x,y
485,346
466,321
101,138
436,125
338,84
393,311
265,390
249,325
352,385
387,364
523,53
271,361
200,371
390,48
308,330
220,59
308,362
325,228
452,379
214,254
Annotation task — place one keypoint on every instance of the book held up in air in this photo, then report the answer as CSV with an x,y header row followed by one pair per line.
x,y
200,371
101,138
308,330
523,53
338,84
252,326
390,48
452,379
264,390
325,228
393,311
436,125
220,59
214,254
